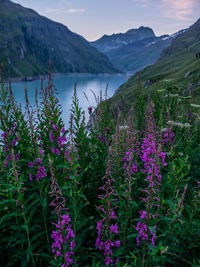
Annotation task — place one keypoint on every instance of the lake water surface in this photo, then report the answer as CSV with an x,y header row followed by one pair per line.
x,y
65,86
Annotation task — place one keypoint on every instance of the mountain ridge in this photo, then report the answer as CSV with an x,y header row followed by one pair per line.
x,y
28,41
135,49
116,40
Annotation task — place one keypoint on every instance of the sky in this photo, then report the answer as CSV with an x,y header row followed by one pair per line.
x,y
94,18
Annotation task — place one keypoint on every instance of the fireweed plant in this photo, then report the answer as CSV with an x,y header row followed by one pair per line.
x,y
124,192
151,154
107,227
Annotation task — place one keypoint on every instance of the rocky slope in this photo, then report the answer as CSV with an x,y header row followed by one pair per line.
x,y
28,41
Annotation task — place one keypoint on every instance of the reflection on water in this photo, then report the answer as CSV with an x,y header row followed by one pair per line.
x,y
65,86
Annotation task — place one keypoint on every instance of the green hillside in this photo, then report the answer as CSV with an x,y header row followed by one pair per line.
x,y
178,65
28,41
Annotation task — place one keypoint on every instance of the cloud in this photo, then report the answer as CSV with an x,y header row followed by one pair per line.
x,y
63,7
58,11
74,10
179,9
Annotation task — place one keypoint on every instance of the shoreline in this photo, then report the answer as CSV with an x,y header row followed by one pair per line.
x,y
55,75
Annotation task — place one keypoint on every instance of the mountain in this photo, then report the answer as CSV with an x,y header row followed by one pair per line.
x,y
178,64
135,49
114,41
28,41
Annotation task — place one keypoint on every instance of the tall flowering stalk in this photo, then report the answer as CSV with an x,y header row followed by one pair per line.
x,y
63,237
107,227
152,157
20,191
131,156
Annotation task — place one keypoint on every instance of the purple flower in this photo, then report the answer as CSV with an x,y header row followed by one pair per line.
x,y
4,135
66,218
113,228
113,216
30,176
57,151
134,167
63,130
59,239
90,110
68,259
30,165
51,136
116,261
5,164
58,253
108,260
100,137
17,157
118,243
53,150
105,231
13,142
144,214
72,245
61,141
67,153
5,148
41,152
41,173
138,240
55,127
38,161
153,236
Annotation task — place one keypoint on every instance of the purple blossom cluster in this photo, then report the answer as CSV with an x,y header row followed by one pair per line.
x,y
38,167
168,137
130,165
10,140
151,157
108,244
102,136
63,237
58,140
106,228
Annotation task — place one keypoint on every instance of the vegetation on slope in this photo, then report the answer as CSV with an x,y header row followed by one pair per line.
x,y
28,41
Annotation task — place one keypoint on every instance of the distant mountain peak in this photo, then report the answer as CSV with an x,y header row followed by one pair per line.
x,y
117,40
135,49
146,30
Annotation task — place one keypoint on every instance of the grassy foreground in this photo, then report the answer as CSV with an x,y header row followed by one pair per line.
x,y
121,194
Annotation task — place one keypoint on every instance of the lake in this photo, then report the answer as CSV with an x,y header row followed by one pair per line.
x,y
65,86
